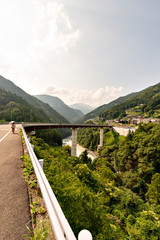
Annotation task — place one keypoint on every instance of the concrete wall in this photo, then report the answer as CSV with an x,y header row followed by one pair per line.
x,y
123,131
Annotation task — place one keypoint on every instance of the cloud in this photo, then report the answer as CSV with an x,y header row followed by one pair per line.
x,y
6,68
94,98
54,30
53,91
33,31
107,94
37,36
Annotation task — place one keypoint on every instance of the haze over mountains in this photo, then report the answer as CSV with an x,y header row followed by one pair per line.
x,y
53,109
84,108
72,115
149,98
47,108
96,112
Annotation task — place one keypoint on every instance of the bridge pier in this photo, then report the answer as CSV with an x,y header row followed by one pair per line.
x,y
101,138
30,128
74,142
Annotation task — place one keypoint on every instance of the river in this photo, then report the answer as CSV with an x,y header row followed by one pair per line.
x,y
80,149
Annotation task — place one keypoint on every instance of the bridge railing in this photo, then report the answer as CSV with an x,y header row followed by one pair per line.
x,y
60,225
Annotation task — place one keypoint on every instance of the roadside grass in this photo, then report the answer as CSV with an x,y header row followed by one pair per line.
x,y
41,226
41,232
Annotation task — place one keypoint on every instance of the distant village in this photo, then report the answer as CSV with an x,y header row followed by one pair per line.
x,y
134,116
134,120
130,122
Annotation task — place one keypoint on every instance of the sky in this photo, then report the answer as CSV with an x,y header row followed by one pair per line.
x,y
88,51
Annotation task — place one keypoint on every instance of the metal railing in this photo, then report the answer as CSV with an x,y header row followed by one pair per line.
x,y
60,225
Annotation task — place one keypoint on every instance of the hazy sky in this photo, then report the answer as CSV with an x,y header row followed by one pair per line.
x,y
89,51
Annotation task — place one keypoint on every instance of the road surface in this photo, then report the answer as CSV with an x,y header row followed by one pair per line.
x,y
14,202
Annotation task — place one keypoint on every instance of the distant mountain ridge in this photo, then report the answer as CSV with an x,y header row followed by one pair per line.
x,y
44,109
72,115
96,112
84,108
148,99
13,107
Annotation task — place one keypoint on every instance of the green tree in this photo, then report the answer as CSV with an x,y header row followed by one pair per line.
x,y
84,158
154,189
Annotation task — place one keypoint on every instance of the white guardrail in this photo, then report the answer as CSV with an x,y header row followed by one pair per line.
x,y
60,225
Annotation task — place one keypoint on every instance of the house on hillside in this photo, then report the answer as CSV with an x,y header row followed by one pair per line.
x,y
144,120
136,120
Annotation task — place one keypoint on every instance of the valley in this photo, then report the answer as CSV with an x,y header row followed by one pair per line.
x,y
116,193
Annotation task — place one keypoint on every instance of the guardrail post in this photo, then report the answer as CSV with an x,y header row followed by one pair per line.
x,y
32,147
85,235
41,164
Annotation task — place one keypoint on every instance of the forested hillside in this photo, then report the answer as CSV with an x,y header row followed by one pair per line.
x,y
96,112
149,99
118,195
13,107
133,158
56,103
51,114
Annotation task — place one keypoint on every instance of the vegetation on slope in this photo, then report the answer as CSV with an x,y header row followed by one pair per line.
x,y
96,112
134,158
13,107
116,196
56,103
52,137
149,99
16,108
44,108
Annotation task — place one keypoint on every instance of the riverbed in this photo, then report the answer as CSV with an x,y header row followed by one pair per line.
x,y
80,149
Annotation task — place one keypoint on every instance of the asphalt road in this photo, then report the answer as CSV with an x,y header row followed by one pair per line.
x,y
14,202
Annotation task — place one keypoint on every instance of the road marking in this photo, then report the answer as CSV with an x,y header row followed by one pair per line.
x,y
5,136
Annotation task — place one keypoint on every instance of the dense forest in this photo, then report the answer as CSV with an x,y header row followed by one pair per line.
x,y
53,137
149,98
50,115
71,114
117,196
15,107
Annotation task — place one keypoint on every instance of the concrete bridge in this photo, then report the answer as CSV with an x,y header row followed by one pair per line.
x,y
32,127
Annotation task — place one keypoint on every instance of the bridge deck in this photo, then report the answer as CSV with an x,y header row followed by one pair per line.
x,y
14,203
36,126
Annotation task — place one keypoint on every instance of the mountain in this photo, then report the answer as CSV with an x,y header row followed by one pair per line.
x,y
84,108
96,112
72,115
146,103
13,107
44,109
